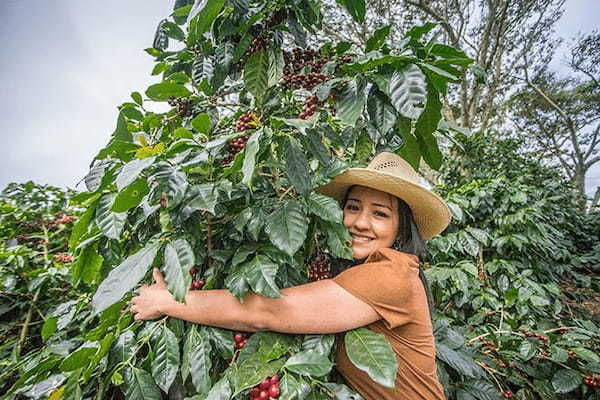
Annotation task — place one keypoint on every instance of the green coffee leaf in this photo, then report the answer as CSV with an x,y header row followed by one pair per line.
x,y
110,223
166,362
131,196
141,386
132,170
407,91
197,360
324,207
351,101
356,8
287,227
87,266
78,359
566,380
250,152
256,74
297,168
381,113
125,277
309,363
371,352
165,90
179,260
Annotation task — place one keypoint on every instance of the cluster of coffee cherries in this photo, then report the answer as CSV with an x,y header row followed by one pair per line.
x,y
246,121
63,258
258,43
303,69
537,336
267,389
183,105
311,105
240,340
197,284
319,268
591,381
507,394
30,241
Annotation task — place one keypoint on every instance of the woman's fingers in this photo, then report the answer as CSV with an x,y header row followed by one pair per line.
x,y
158,277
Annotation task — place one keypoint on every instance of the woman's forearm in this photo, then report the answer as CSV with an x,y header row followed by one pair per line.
x,y
219,308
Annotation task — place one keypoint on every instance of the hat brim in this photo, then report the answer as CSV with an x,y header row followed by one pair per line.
x,y
430,212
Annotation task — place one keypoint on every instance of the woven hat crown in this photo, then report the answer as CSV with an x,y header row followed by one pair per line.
x,y
394,165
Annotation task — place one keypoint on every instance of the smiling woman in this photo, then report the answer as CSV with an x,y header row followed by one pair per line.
x,y
388,214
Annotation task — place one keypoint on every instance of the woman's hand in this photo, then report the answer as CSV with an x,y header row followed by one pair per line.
x,y
152,299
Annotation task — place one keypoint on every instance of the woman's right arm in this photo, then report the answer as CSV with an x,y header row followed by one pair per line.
x,y
318,307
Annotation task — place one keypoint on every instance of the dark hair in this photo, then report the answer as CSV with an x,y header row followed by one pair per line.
x,y
408,241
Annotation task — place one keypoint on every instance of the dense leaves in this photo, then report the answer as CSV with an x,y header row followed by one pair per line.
x,y
220,188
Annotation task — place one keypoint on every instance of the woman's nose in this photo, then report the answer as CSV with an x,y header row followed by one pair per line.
x,y
362,221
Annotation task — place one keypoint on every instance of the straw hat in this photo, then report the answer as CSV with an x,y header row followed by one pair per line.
x,y
390,173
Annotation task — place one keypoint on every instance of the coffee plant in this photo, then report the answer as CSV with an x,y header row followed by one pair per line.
x,y
219,191
35,273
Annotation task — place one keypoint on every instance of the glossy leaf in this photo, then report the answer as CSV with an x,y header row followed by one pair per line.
x,y
166,362
371,352
197,360
321,344
110,223
171,181
131,196
141,386
407,91
381,113
297,168
356,8
179,260
378,38
165,90
161,40
206,11
287,227
250,152
309,363
125,277
324,207
351,101
79,359
566,380
132,170
256,74
203,197
220,390
87,266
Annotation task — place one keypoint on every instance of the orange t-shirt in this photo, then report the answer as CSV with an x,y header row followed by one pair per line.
x,y
389,282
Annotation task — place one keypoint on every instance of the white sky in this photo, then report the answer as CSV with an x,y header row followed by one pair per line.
x,y
66,65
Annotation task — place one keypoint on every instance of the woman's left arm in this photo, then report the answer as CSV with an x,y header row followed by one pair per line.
x,y
318,307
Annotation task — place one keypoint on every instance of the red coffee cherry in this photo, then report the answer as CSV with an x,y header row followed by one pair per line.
x,y
274,391
507,394
319,268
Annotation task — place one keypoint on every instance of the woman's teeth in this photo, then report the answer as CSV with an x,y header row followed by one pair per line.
x,y
361,238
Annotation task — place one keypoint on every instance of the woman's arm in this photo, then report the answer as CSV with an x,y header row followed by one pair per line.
x,y
318,307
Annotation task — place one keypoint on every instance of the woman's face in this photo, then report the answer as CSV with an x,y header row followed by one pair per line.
x,y
372,219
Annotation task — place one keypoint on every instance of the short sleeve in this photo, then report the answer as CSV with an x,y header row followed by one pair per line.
x,y
388,282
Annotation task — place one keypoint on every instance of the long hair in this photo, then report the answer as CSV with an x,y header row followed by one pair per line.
x,y
407,241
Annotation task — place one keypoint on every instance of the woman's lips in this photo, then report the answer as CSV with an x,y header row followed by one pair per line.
x,y
360,238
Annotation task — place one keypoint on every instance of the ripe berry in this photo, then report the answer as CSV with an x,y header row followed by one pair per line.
x,y
265,385
238,337
197,284
274,379
263,395
274,391
507,394
254,392
63,258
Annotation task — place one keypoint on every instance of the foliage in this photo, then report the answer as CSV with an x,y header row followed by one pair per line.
x,y
35,223
499,270
222,186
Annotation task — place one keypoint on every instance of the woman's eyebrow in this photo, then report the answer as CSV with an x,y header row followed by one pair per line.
x,y
382,205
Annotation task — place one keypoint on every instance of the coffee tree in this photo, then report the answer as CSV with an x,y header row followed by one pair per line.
x,y
218,191
498,273
35,224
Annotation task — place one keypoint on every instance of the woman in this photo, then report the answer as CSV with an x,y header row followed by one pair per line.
x,y
385,210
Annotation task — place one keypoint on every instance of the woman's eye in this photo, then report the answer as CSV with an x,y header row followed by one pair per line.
x,y
380,214
351,207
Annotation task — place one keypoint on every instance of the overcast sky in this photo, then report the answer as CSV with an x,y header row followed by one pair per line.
x,y
66,65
